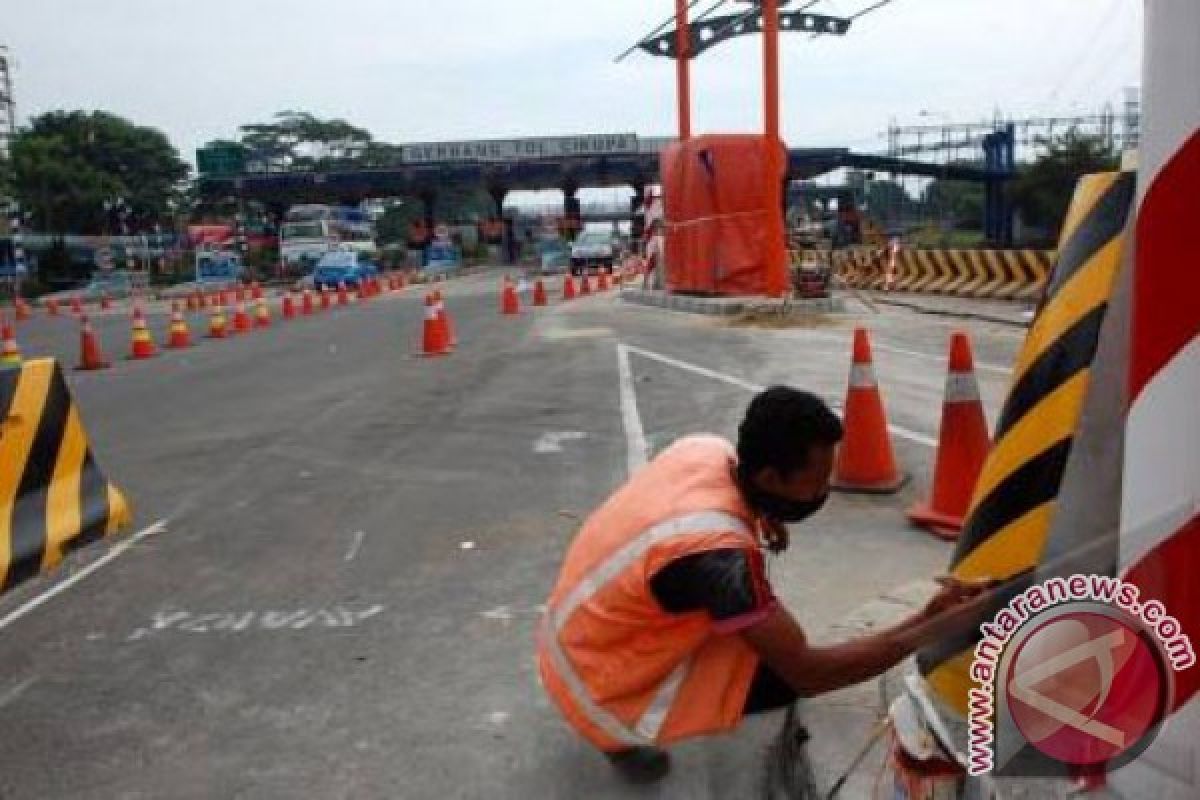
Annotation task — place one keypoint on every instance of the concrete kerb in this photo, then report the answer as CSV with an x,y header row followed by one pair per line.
x,y
728,306
1016,319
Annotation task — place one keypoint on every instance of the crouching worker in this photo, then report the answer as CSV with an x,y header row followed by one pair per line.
x,y
662,624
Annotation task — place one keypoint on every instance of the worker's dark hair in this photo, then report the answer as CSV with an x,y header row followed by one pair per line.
x,y
781,427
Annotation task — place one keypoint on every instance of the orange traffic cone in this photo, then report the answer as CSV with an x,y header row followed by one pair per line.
x,y
539,293
255,291
306,303
342,297
216,322
241,320
239,294
141,343
262,314
568,287
962,447
52,307
76,305
325,298
602,282
361,295
191,302
22,309
10,354
400,283
289,308
105,302
90,355
585,285
444,318
509,302
179,336
200,304
865,462
433,338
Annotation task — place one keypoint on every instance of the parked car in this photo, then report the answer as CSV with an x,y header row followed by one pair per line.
x,y
593,249
342,267
443,257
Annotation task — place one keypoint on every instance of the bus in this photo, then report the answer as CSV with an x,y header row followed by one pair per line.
x,y
311,231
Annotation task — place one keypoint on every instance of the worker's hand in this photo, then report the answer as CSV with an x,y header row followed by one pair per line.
x,y
957,606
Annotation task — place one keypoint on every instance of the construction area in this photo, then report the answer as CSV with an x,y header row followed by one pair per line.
x,y
360,521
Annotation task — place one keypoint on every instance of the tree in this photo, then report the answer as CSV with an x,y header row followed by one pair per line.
x,y
959,201
1042,190
68,166
300,140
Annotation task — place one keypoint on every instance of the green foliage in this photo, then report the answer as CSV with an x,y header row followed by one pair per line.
x,y
960,201
67,164
1043,189
300,140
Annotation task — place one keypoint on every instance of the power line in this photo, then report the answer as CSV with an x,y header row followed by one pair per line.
x,y
660,27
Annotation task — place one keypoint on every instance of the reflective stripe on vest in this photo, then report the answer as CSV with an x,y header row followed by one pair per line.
x,y
646,729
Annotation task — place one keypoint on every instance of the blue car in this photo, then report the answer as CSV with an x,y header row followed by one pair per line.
x,y
342,267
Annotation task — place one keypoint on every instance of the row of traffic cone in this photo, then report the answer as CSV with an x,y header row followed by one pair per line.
x,y
510,303
866,461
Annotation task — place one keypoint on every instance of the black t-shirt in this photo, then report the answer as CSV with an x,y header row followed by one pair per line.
x,y
730,584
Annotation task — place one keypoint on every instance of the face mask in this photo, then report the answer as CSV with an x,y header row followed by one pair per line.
x,y
783,509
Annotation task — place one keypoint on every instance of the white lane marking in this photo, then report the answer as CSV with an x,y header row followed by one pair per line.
x,y
114,553
242,621
636,449
16,690
979,366
355,545
904,433
466,545
552,441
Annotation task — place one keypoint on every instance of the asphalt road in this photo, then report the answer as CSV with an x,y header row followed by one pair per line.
x,y
357,543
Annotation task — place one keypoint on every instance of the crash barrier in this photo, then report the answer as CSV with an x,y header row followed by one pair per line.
x,y
1000,274
53,496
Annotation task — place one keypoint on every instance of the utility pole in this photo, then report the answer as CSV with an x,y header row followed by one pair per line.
x,y
683,82
777,277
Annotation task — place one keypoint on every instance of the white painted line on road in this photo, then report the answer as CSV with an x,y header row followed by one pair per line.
x,y
354,545
984,367
114,553
16,690
904,433
636,449
552,441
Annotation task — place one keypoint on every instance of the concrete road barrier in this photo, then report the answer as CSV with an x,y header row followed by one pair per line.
x,y
53,496
999,274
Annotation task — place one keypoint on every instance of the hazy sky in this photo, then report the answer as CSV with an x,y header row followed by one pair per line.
x,y
415,70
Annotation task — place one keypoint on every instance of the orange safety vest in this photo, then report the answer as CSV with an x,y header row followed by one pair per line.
x,y
623,671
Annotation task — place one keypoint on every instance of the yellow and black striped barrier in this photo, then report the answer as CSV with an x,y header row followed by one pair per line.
x,y
1013,505
1003,274
53,496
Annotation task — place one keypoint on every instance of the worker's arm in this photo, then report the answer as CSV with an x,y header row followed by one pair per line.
x,y
781,643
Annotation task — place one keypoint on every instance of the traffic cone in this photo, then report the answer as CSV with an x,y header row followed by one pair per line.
x,y
444,317
433,334
10,354
539,293
325,298
239,294
342,297
22,309
510,304
255,291
602,282
262,314
400,283
90,354
306,303
241,320
200,303
865,462
216,321
362,292
962,447
568,287
76,305
52,307
105,302
289,308
191,302
141,343
179,336
585,285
